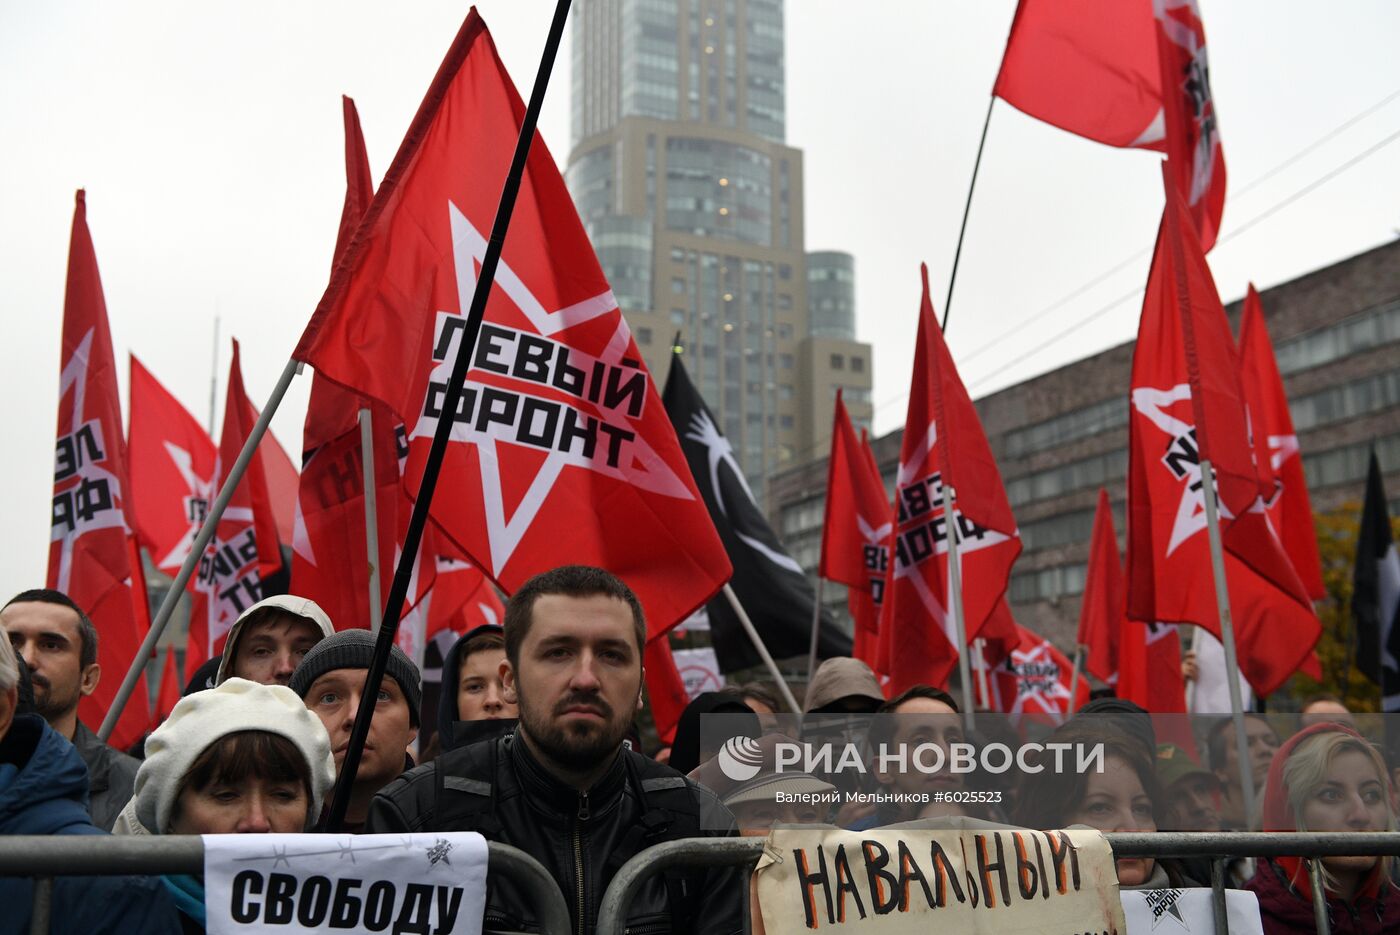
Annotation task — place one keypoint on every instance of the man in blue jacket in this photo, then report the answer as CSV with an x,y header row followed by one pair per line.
x,y
44,790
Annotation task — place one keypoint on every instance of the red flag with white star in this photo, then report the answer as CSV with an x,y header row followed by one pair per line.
x,y
562,452
1276,453
1033,679
1188,406
855,537
237,559
1194,154
89,552
1101,611
943,444
172,471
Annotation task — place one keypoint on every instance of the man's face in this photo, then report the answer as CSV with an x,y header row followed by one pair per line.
x,y
1194,803
481,695
921,721
579,681
1262,744
335,699
48,638
270,649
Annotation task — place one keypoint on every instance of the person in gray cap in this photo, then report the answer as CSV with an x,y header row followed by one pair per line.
x,y
331,679
269,639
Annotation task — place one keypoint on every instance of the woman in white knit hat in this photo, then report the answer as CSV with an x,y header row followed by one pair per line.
x,y
236,759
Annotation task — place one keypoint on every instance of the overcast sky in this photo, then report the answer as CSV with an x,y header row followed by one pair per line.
x,y
208,136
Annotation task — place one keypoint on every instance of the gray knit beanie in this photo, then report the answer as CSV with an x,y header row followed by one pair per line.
x,y
353,649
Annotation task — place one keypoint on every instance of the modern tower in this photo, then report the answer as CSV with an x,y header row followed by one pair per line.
x,y
694,204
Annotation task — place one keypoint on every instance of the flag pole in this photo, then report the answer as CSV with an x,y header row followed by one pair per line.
x,y
967,209
981,649
1074,675
1195,647
201,541
763,653
214,379
1227,638
812,650
413,537
955,607
371,513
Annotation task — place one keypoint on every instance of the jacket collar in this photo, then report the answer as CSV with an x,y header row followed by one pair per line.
x,y
545,789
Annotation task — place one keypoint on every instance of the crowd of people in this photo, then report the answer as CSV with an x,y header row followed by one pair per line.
x,y
536,746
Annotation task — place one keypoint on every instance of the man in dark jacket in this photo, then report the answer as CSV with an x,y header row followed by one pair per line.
x,y
43,790
59,644
562,787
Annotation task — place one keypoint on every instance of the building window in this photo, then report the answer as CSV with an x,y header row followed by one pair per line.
x,y
677,316
785,391
838,362
784,301
857,365
784,331
787,422
785,361
678,285
643,335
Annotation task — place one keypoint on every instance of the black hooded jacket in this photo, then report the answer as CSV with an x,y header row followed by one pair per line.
x,y
499,789
452,732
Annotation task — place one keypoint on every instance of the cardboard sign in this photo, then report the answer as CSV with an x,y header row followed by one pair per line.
x,y
1177,912
304,883
699,670
991,882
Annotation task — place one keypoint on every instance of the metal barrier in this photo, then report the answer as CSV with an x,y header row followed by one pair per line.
x,y
1218,846
44,857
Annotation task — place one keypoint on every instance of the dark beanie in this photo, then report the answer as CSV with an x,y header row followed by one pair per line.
x,y
353,649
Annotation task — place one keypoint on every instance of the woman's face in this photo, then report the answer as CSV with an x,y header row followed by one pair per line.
x,y
1115,801
1351,797
256,806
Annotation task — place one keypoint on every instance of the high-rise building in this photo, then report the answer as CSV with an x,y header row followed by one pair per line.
x,y
694,204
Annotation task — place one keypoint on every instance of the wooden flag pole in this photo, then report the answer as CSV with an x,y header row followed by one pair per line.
x,y
763,653
371,513
1074,675
967,209
201,541
812,650
413,537
955,608
1227,637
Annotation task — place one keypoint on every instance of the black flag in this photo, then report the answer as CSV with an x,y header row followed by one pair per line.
x,y
1375,596
768,582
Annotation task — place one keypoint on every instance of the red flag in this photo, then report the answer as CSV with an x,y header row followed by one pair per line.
x,y
330,563
232,568
1097,68
855,540
1194,154
562,451
1101,613
1034,679
1149,667
1086,66
169,686
665,688
281,481
1276,453
89,552
943,443
1188,406
172,471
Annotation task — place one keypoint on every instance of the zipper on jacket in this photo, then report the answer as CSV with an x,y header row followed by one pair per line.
x,y
583,814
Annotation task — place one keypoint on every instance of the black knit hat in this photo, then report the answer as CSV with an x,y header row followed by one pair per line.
x,y
353,649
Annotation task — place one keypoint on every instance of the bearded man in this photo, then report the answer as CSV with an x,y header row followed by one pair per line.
x,y
562,787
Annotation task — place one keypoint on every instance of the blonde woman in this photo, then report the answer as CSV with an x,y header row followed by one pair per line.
x,y
1327,777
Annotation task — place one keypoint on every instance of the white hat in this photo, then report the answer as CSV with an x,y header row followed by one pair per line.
x,y
303,607
203,718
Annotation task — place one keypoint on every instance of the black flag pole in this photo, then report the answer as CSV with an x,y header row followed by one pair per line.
x,y
967,209
398,591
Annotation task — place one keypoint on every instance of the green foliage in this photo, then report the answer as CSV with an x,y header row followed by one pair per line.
x,y
1336,542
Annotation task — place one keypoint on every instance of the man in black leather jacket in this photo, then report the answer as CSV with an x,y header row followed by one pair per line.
x,y
562,787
